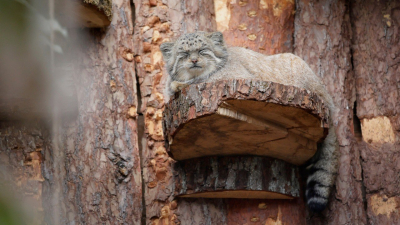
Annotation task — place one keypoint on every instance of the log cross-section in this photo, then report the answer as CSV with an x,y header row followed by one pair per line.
x,y
245,117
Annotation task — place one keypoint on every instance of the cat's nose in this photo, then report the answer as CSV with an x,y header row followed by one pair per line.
x,y
194,61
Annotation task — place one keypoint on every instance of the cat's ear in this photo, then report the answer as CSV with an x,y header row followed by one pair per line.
x,y
217,38
166,50
219,49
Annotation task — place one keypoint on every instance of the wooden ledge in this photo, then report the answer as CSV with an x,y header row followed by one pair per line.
x,y
85,13
236,177
241,194
245,117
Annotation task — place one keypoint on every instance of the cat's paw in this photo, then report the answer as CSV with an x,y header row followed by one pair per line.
x,y
177,86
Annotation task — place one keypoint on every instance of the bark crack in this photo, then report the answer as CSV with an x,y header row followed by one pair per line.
x,y
140,130
356,120
363,190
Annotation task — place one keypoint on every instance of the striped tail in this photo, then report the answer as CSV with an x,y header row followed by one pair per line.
x,y
322,171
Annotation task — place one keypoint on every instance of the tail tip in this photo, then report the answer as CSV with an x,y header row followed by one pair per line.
x,y
316,207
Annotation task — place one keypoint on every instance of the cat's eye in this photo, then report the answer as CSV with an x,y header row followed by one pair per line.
x,y
203,51
184,54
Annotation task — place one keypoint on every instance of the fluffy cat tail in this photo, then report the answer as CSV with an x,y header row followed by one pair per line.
x,y
322,171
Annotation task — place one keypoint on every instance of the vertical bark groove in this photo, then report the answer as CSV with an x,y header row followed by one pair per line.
x,y
141,128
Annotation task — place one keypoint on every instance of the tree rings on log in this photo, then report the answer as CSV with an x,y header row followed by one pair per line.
x,y
245,117
236,177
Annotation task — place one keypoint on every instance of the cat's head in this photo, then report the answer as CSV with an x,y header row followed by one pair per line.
x,y
194,55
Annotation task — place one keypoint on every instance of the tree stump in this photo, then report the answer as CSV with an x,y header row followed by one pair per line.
x,y
245,117
236,177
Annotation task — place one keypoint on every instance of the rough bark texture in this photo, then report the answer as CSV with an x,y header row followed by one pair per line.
x,y
94,164
276,19
322,39
192,177
263,26
157,22
352,45
241,117
323,34
21,157
262,212
236,177
376,61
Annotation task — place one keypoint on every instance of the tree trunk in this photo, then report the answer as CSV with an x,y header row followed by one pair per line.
x,y
88,168
158,22
322,39
21,173
263,26
376,63
354,73
93,169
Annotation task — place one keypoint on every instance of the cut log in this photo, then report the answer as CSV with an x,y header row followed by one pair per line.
x,y
236,177
85,13
245,117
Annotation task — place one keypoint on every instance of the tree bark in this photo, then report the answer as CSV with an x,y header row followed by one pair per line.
x,y
86,170
263,26
236,177
21,173
93,168
322,39
157,22
376,63
262,212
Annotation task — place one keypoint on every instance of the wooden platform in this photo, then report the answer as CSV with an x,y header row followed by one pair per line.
x,y
236,177
84,13
245,117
